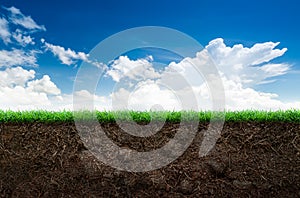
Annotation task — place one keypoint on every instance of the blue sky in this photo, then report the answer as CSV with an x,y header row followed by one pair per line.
x,y
81,25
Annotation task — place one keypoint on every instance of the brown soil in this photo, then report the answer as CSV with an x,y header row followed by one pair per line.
x,y
249,160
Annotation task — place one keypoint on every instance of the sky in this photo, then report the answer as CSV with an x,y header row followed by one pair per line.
x,y
255,46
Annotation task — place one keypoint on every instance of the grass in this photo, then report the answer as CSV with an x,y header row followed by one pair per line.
x,y
171,116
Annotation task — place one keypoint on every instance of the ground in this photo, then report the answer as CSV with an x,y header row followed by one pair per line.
x,y
251,159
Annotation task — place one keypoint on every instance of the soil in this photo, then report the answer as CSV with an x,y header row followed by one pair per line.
x,y
250,159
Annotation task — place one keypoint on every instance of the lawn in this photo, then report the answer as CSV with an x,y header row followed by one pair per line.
x,y
146,116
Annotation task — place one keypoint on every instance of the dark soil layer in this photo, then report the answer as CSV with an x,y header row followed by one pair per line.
x,y
249,160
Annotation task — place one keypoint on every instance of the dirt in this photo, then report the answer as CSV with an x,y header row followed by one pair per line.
x,y
251,159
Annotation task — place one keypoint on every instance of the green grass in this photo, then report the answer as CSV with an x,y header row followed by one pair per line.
x,y
68,116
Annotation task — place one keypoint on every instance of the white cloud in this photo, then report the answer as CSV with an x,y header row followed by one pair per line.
x,y
17,76
20,35
138,69
18,18
240,68
86,100
44,85
257,54
19,98
247,65
4,31
19,90
240,98
22,39
147,96
271,70
66,56
17,57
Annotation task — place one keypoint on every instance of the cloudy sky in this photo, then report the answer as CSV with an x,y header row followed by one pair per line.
x,y
255,46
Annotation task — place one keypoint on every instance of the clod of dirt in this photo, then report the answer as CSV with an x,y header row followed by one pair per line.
x,y
186,187
217,166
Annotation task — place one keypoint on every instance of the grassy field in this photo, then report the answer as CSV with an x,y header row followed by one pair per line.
x,y
169,116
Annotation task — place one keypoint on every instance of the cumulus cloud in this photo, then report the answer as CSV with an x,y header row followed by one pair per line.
x,y
17,57
18,18
257,54
247,65
240,68
134,69
148,95
44,85
16,28
19,87
19,98
22,39
86,100
239,98
66,56
19,90
4,31
69,56
12,77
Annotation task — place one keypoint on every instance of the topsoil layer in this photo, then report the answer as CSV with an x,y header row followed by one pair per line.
x,y
249,160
